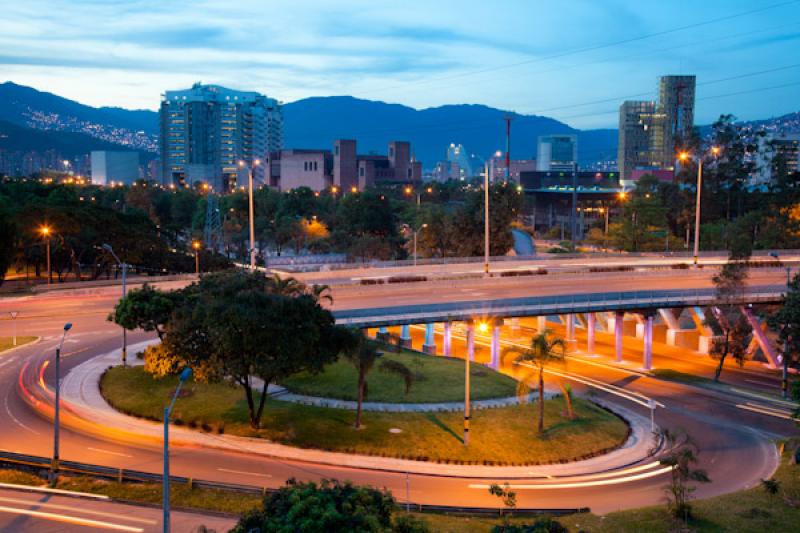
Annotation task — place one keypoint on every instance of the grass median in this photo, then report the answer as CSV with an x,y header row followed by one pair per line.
x,y
6,343
437,379
502,436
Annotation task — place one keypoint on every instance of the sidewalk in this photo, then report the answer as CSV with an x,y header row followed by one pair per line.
x,y
81,394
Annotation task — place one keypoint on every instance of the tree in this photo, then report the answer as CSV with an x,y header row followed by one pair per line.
x,y
542,351
8,236
681,457
147,308
726,316
787,321
363,354
231,327
329,506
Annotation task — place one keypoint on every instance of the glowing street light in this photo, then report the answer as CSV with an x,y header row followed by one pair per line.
x,y
249,168
45,231
685,156
56,414
196,247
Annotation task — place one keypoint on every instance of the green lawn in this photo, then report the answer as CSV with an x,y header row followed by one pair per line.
x,y
6,342
498,436
438,379
683,377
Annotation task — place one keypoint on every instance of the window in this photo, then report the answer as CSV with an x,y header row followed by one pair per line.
x,y
315,165
391,151
337,149
361,171
305,165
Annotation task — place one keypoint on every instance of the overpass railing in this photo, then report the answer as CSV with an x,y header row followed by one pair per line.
x,y
549,305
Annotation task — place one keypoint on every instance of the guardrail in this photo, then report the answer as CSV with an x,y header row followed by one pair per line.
x,y
122,475
547,305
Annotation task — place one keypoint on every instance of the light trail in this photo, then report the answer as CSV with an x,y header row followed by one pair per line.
x,y
581,484
20,501
68,519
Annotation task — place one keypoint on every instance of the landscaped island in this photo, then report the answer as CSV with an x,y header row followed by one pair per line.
x,y
499,436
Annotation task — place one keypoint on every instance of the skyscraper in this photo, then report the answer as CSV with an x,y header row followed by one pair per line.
x,y
557,153
651,132
208,129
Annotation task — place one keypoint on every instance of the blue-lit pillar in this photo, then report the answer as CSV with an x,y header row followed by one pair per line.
x,y
495,346
430,340
448,339
590,328
405,336
471,340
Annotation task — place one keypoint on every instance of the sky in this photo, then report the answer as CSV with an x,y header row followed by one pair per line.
x,y
573,60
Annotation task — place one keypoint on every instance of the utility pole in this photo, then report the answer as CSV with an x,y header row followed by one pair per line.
x,y
56,414
572,221
508,119
486,219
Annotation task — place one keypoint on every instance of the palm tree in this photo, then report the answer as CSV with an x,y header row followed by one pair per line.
x,y
542,351
363,354
287,286
321,292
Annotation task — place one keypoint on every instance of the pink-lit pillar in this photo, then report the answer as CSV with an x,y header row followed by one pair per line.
x,y
647,362
590,326
618,323
447,344
430,340
471,340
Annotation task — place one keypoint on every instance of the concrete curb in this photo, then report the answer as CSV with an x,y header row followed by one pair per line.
x,y
91,413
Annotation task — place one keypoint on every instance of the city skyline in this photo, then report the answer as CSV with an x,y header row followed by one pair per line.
x,y
143,49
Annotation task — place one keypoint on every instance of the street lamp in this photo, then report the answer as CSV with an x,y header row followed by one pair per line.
x,y
56,416
196,247
14,322
684,156
124,267
45,231
415,241
249,168
185,374
486,217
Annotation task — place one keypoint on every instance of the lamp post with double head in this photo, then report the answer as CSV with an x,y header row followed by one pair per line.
x,y
57,409
684,156
785,355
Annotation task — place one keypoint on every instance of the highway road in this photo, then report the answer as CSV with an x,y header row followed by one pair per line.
x,y
736,445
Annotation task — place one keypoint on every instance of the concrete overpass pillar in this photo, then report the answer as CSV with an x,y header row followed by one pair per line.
x,y
706,334
448,339
541,323
760,336
590,327
570,332
647,359
383,333
430,340
405,336
618,324
495,347
471,340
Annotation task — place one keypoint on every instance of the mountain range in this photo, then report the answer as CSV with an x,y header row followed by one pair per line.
x,y
32,120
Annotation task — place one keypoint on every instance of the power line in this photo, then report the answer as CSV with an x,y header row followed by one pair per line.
x,y
590,48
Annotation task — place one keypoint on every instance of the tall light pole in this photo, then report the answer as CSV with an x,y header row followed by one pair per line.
x,y
415,241
45,231
785,357
250,209
574,208
486,218
57,413
124,267
185,374
684,156
196,247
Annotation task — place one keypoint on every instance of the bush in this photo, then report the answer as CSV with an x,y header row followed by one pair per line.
x,y
619,268
515,273
680,266
541,525
406,279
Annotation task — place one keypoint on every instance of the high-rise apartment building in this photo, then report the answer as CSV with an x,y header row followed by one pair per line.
x,y
208,129
650,133
557,153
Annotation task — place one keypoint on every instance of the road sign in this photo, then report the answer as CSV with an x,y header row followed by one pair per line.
x,y
14,321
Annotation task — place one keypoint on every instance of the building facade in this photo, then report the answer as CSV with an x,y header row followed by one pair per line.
x,y
207,130
114,167
557,153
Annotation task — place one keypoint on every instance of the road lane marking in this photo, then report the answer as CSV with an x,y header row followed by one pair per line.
x,y
14,418
84,511
581,484
760,382
67,519
766,411
109,451
241,472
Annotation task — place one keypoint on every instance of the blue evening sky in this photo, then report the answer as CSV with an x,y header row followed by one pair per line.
x,y
574,60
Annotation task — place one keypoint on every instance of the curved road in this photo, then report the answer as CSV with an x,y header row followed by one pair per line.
x,y
735,444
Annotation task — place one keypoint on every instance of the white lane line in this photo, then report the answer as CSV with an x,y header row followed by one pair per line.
x,y
760,382
14,418
83,511
766,411
71,519
109,451
616,481
47,490
244,473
